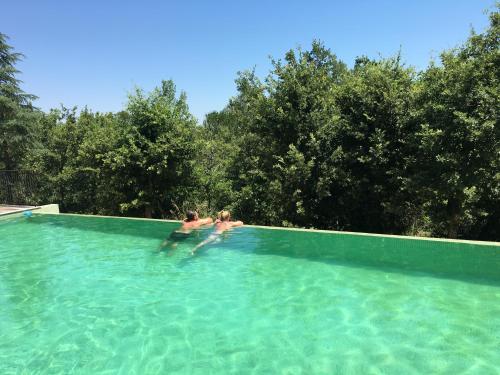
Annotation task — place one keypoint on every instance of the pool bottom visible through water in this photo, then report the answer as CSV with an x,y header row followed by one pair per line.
x,y
85,295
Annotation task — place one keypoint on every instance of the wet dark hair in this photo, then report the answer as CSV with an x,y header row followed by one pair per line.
x,y
191,215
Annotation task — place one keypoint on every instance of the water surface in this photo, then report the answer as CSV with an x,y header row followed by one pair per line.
x,y
93,295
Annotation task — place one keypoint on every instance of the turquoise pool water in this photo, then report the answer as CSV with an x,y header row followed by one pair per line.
x,y
85,295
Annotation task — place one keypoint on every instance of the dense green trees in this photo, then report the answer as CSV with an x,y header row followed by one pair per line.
x,y
457,109
377,147
138,162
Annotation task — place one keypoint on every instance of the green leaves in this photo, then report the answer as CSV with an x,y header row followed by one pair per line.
x,y
459,145
376,148
17,116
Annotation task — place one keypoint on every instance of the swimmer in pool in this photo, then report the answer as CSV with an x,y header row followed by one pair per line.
x,y
192,221
222,224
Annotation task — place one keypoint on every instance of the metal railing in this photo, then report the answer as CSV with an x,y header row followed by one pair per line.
x,y
19,187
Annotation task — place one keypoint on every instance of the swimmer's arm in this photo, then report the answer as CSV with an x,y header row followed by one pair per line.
x,y
237,223
207,221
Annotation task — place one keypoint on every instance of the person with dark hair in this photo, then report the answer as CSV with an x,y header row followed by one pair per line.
x,y
192,221
222,224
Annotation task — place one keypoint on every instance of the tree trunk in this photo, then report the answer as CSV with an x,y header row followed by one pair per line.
x,y
453,212
8,163
148,211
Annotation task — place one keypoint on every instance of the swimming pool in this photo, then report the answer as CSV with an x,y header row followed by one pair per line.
x,y
93,295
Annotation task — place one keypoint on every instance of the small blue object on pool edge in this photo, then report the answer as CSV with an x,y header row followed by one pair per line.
x,y
28,213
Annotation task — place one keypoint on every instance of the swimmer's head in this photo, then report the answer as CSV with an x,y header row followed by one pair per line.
x,y
191,216
224,215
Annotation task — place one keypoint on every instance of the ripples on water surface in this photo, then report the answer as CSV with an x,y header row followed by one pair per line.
x,y
92,295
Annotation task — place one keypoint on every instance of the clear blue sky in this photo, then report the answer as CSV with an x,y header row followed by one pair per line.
x,y
94,52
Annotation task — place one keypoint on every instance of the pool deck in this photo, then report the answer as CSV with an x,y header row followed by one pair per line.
x,y
10,209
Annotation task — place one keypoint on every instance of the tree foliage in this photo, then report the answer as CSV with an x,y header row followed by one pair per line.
x,y
17,115
378,147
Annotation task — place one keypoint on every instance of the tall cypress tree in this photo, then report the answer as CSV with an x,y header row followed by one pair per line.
x,y
17,115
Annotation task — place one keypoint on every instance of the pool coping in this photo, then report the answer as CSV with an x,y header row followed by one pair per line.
x,y
19,210
42,209
326,231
